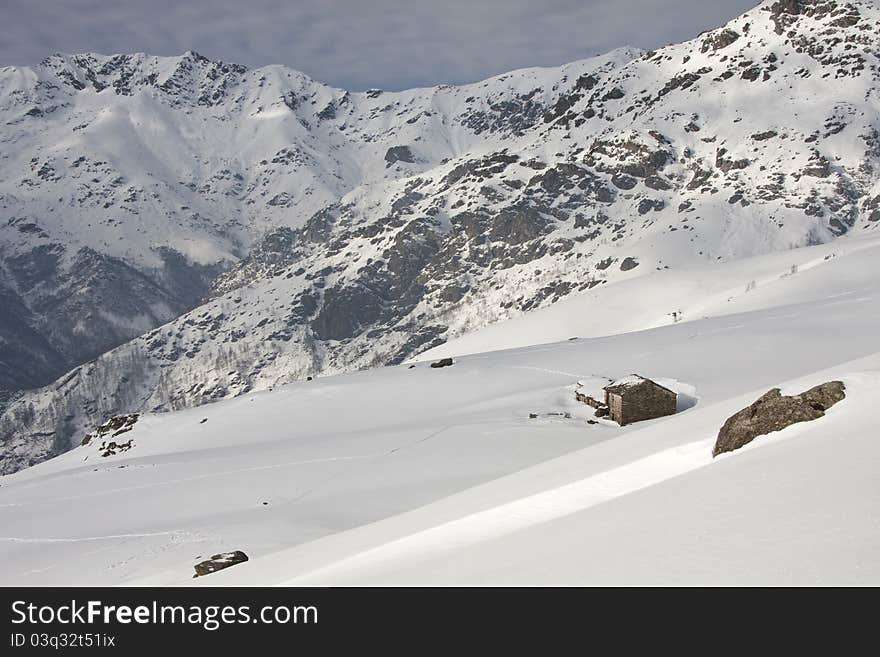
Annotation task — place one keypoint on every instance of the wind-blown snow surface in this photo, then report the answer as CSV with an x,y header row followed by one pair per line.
x,y
420,475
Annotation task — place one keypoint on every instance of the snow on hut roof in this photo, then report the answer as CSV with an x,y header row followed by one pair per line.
x,y
631,381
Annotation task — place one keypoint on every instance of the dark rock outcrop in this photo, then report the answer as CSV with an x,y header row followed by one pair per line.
x,y
720,39
628,263
399,154
219,562
115,426
774,411
112,448
443,362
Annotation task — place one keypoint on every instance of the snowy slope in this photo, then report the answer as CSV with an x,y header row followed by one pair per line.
x,y
669,297
673,517
421,475
358,230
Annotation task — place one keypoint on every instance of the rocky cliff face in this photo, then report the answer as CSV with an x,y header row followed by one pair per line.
x,y
354,230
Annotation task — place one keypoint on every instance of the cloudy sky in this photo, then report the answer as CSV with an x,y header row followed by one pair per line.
x,y
358,44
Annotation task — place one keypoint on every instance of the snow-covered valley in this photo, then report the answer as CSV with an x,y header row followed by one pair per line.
x,y
420,475
177,231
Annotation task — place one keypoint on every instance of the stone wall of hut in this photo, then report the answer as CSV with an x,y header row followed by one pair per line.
x,y
642,402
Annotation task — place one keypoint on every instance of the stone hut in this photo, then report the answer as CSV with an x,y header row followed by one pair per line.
x,y
636,398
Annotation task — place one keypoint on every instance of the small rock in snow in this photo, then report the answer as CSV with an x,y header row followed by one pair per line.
x,y
219,562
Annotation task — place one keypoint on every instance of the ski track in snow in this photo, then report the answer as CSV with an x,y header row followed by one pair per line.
x,y
538,508
236,471
178,533
389,452
208,475
546,371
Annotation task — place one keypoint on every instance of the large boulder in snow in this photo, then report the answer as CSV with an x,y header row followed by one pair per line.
x,y
219,562
774,411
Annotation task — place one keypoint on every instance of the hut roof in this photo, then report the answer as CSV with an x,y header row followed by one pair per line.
x,y
632,381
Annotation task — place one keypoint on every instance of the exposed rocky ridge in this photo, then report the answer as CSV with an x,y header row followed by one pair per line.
x,y
521,189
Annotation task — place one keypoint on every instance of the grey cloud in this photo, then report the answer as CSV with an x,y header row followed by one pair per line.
x,y
391,44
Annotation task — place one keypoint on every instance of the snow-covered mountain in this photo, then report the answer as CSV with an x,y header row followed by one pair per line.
x,y
289,229
424,475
